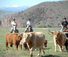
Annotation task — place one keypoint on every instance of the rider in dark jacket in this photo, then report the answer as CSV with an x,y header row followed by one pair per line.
x,y
64,24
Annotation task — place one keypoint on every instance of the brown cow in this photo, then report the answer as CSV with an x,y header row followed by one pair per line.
x,y
13,38
34,40
59,38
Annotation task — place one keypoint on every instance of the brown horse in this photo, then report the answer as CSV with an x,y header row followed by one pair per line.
x,y
29,29
65,30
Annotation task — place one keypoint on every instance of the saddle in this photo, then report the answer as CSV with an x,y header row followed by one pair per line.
x,y
65,30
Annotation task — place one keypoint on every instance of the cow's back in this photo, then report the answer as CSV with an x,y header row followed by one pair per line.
x,y
63,36
10,38
40,39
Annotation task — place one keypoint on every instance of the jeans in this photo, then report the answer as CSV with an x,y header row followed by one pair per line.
x,y
27,28
62,28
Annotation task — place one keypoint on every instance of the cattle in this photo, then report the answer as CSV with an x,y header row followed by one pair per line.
x,y
34,40
26,47
24,44
66,44
13,39
59,38
45,43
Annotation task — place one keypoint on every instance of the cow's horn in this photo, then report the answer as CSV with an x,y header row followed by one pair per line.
x,y
20,34
49,31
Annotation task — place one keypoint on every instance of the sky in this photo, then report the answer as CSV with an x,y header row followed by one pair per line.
x,y
15,3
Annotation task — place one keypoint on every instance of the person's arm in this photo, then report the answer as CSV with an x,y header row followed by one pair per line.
x,y
27,23
62,24
30,23
16,25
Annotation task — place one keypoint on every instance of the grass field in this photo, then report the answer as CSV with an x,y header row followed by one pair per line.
x,y
49,50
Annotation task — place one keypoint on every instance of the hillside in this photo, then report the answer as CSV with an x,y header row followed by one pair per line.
x,y
46,13
6,13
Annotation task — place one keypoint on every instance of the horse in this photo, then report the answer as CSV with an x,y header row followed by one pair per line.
x,y
14,30
29,29
65,30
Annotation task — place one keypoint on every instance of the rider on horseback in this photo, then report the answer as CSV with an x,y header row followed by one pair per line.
x,y
64,24
29,24
14,26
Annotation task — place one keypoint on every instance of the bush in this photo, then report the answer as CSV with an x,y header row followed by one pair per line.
x,y
24,26
49,26
41,26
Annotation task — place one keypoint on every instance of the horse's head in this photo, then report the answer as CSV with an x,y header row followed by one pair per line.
x,y
29,29
15,29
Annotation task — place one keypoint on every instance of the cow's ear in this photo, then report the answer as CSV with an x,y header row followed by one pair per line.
x,y
29,35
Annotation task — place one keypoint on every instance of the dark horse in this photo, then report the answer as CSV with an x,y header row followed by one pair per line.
x,y
15,30
29,29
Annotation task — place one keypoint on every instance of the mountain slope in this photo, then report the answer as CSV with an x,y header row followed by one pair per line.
x,y
6,13
46,13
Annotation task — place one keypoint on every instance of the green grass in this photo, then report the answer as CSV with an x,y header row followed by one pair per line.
x,y
49,50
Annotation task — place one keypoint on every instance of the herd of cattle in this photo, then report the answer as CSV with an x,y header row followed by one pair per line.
x,y
35,40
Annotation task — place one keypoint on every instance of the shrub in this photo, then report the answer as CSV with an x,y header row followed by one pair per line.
x,y
40,26
24,26
49,26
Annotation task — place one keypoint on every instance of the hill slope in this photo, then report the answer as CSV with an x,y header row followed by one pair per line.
x,y
46,13
6,13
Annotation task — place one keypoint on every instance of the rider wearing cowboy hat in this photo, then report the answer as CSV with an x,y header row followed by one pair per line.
x,y
13,23
29,23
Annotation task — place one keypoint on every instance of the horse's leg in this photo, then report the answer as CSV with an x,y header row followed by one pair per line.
x,y
29,29
17,31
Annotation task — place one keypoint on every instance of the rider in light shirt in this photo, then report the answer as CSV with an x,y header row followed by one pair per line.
x,y
29,23
13,23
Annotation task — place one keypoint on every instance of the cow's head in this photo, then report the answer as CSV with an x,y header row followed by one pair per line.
x,y
20,36
27,36
56,34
